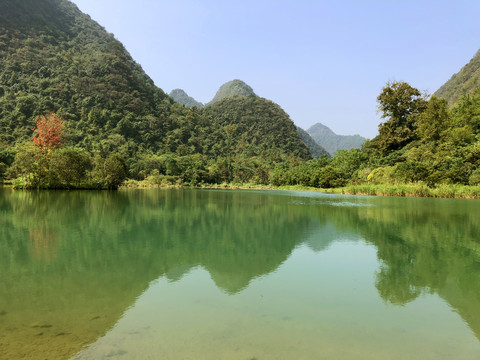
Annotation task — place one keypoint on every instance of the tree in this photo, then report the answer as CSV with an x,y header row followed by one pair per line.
x,y
48,133
433,121
69,165
400,104
114,171
28,166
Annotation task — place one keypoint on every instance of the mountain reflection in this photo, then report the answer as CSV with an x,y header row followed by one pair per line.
x,y
73,262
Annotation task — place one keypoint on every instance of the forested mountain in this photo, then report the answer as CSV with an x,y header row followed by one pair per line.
x,y
182,97
259,117
54,58
332,142
315,150
253,124
113,119
231,89
466,81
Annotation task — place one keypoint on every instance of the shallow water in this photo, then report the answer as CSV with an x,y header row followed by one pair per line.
x,y
197,274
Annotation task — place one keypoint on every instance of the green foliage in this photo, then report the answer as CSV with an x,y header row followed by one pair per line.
x,y
433,121
56,59
30,166
254,126
348,163
465,82
400,104
69,165
113,171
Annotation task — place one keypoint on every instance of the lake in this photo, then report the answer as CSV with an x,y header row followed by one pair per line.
x,y
210,274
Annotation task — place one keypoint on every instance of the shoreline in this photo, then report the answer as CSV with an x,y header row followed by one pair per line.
x,y
453,191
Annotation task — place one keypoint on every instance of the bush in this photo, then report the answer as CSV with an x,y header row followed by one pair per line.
x,y
113,171
474,178
69,165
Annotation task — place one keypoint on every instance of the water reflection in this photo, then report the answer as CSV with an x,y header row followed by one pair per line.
x,y
73,262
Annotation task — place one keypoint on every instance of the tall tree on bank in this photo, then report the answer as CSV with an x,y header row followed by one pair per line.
x,y
399,103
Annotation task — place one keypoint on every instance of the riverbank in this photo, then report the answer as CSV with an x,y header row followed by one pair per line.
x,y
453,191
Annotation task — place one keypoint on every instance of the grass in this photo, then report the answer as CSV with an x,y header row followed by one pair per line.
x,y
444,191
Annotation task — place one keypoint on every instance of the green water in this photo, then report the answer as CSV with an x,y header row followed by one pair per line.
x,y
196,274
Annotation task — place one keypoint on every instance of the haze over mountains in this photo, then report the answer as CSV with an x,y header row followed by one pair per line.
x,y
333,142
182,97
315,148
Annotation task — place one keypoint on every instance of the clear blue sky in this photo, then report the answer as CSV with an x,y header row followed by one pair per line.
x,y
322,61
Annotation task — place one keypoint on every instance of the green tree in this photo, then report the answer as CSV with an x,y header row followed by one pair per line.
x,y
30,166
433,121
114,171
69,165
399,103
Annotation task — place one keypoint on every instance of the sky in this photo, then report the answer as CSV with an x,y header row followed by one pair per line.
x,y
321,61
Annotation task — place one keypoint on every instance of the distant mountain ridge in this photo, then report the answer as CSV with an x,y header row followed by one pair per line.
x,y
332,142
182,97
466,81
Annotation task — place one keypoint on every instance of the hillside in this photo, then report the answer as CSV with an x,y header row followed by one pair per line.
x,y
333,142
182,97
467,80
231,89
54,58
315,150
256,126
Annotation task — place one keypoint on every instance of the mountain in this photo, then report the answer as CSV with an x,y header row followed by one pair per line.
x,y
54,58
333,142
467,80
256,126
231,89
181,97
315,150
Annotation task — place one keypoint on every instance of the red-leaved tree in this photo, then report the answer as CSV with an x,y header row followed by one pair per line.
x,y
48,133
